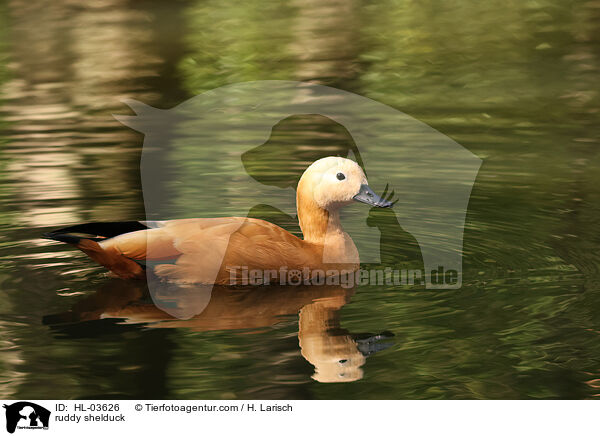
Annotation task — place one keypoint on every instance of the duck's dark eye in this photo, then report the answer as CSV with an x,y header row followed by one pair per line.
x,y
340,176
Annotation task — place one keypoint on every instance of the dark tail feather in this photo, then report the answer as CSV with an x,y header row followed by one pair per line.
x,y
94,231
86,238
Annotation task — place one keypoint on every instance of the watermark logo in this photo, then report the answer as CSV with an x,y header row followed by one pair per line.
x,y
347,279
25,415
203,140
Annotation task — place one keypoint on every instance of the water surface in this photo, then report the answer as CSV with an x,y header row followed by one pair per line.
x,y
515,83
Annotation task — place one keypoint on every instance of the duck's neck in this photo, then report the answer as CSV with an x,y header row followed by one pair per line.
x,y
318,224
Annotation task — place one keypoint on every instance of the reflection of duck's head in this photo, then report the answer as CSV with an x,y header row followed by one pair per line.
x,y
334,354
335,358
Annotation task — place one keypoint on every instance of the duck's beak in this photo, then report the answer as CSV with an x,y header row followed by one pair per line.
x,y
366,195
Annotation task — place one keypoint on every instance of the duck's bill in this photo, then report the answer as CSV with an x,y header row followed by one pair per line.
x,y
366,195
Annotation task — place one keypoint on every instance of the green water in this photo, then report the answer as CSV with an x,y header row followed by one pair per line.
x,y
516,83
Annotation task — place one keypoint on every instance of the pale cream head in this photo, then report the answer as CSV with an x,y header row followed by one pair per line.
x,y
333,181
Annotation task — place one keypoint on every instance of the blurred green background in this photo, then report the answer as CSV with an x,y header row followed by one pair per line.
x,y
514,82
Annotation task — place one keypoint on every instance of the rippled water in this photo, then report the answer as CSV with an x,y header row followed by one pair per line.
x,y
514,83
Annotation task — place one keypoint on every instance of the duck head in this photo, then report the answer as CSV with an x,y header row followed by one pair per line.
x,y
333,182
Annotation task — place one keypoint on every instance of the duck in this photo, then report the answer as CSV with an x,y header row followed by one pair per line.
x,y
222,251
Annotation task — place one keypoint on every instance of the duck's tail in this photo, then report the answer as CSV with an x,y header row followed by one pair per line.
x,y
94,231
86,237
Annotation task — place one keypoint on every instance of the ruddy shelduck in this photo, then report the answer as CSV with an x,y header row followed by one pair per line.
x,y
218,250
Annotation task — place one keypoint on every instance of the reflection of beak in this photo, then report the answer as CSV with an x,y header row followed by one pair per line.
x,y
366,195
372,344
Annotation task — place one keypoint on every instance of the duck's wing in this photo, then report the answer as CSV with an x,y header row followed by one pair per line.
x,y
217,251
168,240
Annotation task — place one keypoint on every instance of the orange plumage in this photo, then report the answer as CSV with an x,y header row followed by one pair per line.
x,y
208,250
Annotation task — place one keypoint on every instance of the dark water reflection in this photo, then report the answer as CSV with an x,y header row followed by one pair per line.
x,y
336,354
515,83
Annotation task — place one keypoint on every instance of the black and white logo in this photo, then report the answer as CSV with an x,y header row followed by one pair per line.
x,y
26,415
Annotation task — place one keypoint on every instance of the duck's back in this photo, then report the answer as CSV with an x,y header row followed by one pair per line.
x,y
212,250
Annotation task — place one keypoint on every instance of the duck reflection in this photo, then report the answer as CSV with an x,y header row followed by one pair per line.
x,y
336,354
